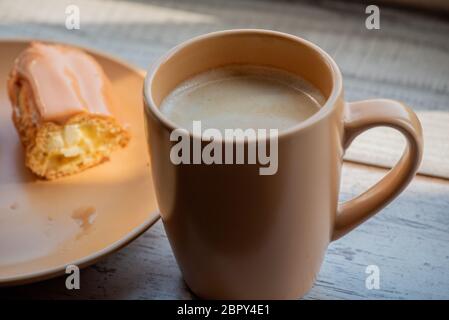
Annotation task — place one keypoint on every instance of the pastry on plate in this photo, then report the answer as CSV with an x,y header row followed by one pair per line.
x,y
62,109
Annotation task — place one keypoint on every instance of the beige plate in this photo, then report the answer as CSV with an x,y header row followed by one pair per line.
x,y
44,226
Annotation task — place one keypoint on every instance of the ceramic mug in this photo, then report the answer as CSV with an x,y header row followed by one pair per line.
x,y
237,234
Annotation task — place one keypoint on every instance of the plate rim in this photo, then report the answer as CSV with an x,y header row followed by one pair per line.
x,y
90,259
83,262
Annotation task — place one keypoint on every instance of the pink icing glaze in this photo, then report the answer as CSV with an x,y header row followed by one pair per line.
x,y
65,81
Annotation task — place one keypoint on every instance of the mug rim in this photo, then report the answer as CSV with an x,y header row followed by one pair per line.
x,y
324,111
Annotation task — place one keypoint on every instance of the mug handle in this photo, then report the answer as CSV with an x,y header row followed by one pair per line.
x,y
361,116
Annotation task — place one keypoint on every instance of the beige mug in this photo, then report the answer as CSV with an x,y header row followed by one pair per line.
x,y
237,234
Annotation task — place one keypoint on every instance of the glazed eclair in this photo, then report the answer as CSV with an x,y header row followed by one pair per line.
x,y
62,102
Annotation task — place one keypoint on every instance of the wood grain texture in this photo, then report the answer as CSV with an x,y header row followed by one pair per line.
x,y
408,241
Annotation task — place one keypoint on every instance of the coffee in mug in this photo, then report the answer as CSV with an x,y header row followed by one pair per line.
x,y
243,96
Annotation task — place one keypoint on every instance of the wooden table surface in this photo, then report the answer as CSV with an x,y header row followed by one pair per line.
x,y
407,59
408,241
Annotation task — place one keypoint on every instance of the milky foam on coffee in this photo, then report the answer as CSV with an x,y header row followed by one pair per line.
x,y
242,97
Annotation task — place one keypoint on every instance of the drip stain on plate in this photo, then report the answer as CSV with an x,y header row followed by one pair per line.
x,y
84,217
14,206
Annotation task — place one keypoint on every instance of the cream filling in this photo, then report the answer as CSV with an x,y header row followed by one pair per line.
x,y
75,140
